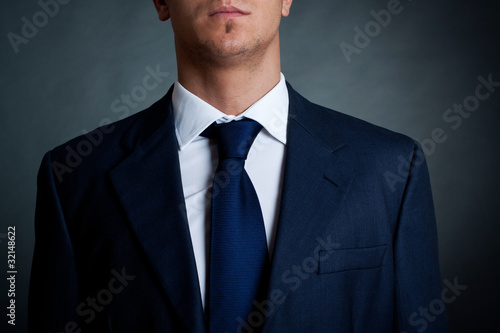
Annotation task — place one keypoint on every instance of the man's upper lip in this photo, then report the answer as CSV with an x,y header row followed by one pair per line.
x,y
227,9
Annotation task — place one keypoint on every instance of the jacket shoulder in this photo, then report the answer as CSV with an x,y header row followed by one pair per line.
x,y
101,149
362,132
331,127
370,152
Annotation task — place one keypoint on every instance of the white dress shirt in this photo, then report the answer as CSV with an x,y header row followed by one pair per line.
x,y
198,159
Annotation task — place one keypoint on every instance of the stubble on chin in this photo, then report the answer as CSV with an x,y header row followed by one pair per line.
x,y
211,53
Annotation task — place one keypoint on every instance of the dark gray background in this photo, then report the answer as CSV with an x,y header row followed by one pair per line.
x,y
63,81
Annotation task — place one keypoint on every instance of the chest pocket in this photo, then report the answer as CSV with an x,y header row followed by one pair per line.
x,y
341,260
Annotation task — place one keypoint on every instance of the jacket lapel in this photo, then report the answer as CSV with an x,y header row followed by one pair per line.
x,y
315,183
148,183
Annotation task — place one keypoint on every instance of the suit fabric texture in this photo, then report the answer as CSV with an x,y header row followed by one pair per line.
x,y
355,250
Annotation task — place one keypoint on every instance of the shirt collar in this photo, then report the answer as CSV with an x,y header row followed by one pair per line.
x,y
193,115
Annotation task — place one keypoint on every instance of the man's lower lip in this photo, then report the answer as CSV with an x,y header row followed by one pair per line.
x,y
228,14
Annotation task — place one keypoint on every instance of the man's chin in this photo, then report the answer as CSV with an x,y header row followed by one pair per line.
x,y
225,51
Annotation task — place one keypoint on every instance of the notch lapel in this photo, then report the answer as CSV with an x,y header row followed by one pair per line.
x,y
148,183
315,183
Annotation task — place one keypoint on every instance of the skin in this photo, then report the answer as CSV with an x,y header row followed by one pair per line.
x,y
228,60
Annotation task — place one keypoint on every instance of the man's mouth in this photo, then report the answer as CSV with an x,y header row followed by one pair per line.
x,y
228,12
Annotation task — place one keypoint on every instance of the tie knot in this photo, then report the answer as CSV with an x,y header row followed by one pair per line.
x,y
235,138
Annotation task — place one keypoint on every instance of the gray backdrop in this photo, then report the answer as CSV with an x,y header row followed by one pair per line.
x,y
66,75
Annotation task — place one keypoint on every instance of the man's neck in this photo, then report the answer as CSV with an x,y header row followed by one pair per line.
x,y
231,89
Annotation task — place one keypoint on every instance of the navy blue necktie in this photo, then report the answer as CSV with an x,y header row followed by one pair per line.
x,y
238,255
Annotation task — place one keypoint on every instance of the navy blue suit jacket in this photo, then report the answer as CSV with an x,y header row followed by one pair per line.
x,y
356,246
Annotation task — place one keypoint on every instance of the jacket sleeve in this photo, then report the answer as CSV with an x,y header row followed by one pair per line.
x,y
53,291
418,286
